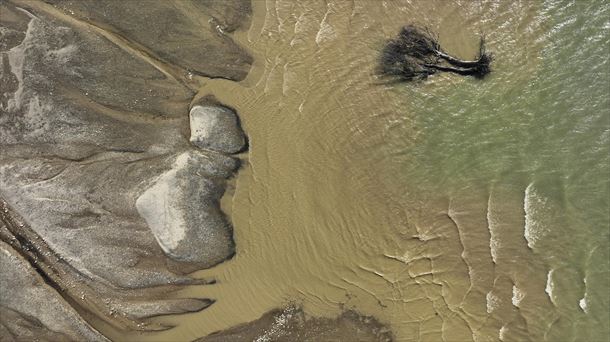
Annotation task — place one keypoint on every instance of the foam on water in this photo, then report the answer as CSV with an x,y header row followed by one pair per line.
x,y
533,204
493,239
502,333
583,304
327,31
517,296
550,286
492,302
583,301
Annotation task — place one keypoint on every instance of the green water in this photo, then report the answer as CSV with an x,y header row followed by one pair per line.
x,y
537,128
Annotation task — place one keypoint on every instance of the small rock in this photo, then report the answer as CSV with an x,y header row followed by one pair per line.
x,y
216,128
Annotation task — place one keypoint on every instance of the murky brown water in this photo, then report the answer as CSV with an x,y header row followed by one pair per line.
x,y
324,218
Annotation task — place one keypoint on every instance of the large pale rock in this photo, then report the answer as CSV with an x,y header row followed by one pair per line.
x,y
181,208
216,128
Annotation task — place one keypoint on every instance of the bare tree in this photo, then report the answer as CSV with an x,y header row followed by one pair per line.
x,y
416,54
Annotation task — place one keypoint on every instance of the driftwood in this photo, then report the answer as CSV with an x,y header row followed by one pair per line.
x,y
416,54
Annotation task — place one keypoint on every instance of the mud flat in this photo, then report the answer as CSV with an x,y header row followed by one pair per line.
x,y
106,204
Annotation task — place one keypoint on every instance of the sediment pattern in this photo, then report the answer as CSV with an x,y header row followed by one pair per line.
x,y
94,140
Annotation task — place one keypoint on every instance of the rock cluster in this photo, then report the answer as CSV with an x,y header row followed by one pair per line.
x,y
216,128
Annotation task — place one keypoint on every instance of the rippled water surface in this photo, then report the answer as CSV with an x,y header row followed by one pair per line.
x,y
455,209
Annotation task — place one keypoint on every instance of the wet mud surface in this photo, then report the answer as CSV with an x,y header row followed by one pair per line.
x,y
95,115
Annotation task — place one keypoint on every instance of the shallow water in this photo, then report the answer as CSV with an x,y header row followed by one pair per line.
x,y
454,209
